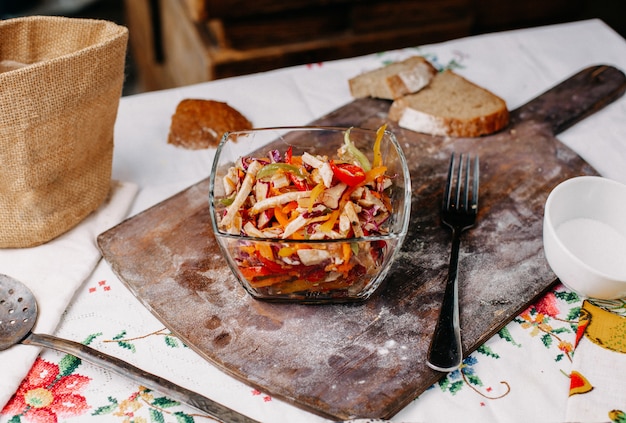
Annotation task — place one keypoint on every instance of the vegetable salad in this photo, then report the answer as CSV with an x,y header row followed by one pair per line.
x,y
284,196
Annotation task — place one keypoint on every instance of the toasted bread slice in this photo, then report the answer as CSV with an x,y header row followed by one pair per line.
x,y
394,80
451,106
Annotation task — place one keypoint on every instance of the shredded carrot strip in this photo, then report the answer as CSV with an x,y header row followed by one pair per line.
x,y
290,206
344,267
347,251
297,235
280,216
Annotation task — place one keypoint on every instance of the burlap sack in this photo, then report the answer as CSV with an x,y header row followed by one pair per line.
x,y
60,84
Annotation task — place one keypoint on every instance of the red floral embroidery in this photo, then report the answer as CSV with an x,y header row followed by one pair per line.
x,y
44,395
548,305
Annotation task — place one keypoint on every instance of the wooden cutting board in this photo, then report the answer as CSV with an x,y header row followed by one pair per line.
x,y
368,359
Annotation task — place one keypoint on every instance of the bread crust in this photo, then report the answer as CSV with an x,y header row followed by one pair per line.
x,y
198,123
394,80
448,107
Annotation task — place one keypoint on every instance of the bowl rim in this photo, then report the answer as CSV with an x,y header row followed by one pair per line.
x,y
400,234
553,230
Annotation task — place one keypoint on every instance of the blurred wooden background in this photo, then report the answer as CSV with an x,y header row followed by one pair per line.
x,y
181,42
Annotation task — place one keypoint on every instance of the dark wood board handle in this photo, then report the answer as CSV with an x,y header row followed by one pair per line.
x,y
572,100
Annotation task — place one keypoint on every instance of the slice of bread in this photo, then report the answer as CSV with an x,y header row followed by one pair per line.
x,y
394,80
198,123
451,106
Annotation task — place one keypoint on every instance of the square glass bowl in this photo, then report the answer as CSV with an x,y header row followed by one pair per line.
x,y
297,221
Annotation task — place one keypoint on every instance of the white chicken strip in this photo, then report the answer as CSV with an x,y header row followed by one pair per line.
x,y
294,225
326,173
370,200
240,198
350,212
311,160
299,222
310,256
278,200
230,181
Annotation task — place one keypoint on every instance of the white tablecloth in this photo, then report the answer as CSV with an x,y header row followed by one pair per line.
x,y
521,374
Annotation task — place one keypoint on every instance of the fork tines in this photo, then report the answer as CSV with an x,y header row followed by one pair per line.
x,y
465,196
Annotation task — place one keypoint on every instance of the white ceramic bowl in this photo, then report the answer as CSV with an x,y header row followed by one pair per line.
x,y
584,236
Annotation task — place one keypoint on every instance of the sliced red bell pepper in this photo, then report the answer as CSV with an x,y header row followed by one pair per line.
x,y
288,155
301,184
250,272
272,266
348,173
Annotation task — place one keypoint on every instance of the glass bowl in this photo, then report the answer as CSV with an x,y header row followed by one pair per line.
x,y
310,214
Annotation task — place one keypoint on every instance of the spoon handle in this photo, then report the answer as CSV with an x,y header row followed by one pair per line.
x,y
149,380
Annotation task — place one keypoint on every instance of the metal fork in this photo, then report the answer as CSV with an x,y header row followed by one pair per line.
x,y
458,211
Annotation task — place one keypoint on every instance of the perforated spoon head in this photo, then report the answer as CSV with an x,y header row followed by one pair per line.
x,y
18,311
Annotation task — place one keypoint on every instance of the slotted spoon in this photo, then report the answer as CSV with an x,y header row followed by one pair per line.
x,y
18,314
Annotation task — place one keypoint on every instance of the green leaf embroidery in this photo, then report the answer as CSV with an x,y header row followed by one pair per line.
x,y
453,64
474,380
573,313
106,409
506,335
444,383
164,402
486,350
156,416
171,341
546,340
91,337
456,387
15,419
120,335
183,418
68,364
568,297
127,345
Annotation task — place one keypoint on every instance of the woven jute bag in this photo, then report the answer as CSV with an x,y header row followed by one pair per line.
x,y
60,85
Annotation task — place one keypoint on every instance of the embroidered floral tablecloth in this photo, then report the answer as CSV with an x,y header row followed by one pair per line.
x,y
541,367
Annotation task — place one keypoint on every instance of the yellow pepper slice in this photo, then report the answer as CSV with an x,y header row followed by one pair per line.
x,y
330,223
315,192
265,251
371,175
378,157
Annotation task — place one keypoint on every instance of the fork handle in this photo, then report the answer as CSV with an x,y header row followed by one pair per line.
x,y
445,352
